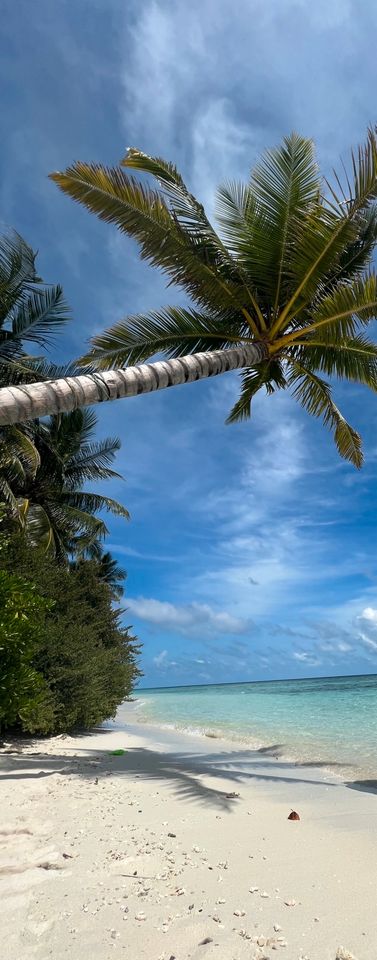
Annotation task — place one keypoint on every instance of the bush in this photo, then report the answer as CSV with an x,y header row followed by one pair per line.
x,y
23,691
80,655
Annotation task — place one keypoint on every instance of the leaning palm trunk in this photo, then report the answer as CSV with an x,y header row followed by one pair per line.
x,y
19,404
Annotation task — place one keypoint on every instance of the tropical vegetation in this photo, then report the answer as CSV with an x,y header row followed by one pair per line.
x,y
287,280
65,657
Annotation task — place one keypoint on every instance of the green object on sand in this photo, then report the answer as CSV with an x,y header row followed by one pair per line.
x,y
117,753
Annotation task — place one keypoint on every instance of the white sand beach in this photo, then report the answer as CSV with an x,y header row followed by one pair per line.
x,y
146,855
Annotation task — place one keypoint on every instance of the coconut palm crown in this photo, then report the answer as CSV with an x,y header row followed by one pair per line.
x,y
289,271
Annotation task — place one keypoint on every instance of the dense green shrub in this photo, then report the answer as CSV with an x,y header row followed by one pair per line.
x,y
77,651
24,692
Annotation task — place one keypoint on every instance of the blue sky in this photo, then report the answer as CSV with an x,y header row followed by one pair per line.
x,y
251,553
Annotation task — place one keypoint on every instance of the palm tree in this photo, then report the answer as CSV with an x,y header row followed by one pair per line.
x,y
59,513
107,570
30,313
284,290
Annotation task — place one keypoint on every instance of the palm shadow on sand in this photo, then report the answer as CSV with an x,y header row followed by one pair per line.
x,y
185,773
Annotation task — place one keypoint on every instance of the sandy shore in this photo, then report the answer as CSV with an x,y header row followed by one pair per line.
x,y
146,856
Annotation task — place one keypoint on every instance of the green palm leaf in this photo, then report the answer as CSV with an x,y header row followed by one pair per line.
x,y
268,374
173,330
92,462
323,235
286,186
314,394
349,359
143,214
342,311
17,268
92,503
40,313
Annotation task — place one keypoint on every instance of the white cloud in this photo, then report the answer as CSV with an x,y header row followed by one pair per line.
x,y
368,642
160,658
197,618
307,658
370,613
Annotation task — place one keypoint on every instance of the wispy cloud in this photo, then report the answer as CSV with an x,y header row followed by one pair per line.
x,y
197,618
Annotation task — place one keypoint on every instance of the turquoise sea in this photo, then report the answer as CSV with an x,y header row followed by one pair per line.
x,y
331,720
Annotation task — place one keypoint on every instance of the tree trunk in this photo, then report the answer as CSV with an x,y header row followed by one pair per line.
x,y
27,402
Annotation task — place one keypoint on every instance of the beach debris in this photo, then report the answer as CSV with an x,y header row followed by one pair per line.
x,y
196,849
290,903
277,927
342,954
180,891
239,913
117,753
220,900
216,918
191,906
294,815
202,943
232,796
172,834
67,856
115,935
253,889
140,916
265,894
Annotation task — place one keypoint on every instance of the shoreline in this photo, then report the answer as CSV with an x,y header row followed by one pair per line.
x,y
288,752
145,854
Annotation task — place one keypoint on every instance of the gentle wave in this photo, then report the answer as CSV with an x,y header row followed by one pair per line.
x,y
329,722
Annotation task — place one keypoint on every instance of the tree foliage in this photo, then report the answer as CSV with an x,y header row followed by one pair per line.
x,y
290,265
64,651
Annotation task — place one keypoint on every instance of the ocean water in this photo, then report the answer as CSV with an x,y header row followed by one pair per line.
x,y
332,721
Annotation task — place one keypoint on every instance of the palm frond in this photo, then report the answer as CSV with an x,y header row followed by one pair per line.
x,y
7,496
285,185
38,528
70,520
173,331
21,445
40,314
353,358
268,374
325,234
92,461
17,268
189,214
344,310
190,260
356,256
314,394
91,503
